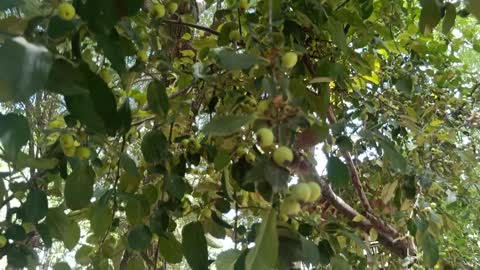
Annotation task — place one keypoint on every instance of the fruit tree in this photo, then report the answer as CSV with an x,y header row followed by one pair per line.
x,y
239,134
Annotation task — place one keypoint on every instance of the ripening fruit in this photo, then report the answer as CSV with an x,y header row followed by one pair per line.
x,y
265,137
282,155
83,152
66,11
206,213
142,55
158,10
315,191
300,191
289,59
185,142
67,141
243,4
234,35
290,207
172,7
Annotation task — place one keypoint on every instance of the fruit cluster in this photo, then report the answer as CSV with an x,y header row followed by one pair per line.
x,y
71,148
307,192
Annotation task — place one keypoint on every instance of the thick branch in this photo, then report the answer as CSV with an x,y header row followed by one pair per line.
x,y
387,236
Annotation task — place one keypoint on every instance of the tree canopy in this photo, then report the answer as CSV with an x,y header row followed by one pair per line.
x,y
239,134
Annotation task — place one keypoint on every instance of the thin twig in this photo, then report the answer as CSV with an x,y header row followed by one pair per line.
x,y
196,26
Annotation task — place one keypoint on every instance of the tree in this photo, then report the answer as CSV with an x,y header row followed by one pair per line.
x,y
136,134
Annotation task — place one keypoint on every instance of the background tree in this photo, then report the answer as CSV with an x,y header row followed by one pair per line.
x,y
138,134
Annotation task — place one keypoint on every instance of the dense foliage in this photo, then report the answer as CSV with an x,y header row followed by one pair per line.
x,y
136,134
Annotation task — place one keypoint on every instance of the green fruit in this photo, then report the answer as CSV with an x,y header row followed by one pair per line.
x,y
67,141
158,10
282,155
300,191
206,213
172,7
265,137
69,151
185,142
263,107
243,4
142,55
83,152
106,76
290,207
250,157
234,35
289,59
315,191
66,11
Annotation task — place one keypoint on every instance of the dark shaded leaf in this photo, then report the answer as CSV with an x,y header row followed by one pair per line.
x,y
194,246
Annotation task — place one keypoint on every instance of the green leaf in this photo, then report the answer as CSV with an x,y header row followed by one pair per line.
x,y
340,263
430,16
82,256
100,218
430,249
170,248
61,266
14,133
36,206
154,146
125,117
112,49
227,259
66,79
62,228
194,246
228,59
226,125
135,211
449,18
222,158
325,252
396,159
79,187
26,161
264,255
16,233
159,222
128,164
404,84
157,98
335,29
21,256
139,237
310,252
24,69
337,172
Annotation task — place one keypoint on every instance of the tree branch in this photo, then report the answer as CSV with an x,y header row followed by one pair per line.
x,y
196,26
357,184
387,236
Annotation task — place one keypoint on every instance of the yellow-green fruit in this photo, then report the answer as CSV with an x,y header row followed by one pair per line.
x,y
282,155
265,137
172,7
159,10
289,59
234,35
142,55
300,191
290,207
66,11
67,141
83,152
243,4
282,218
315,191
69,151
